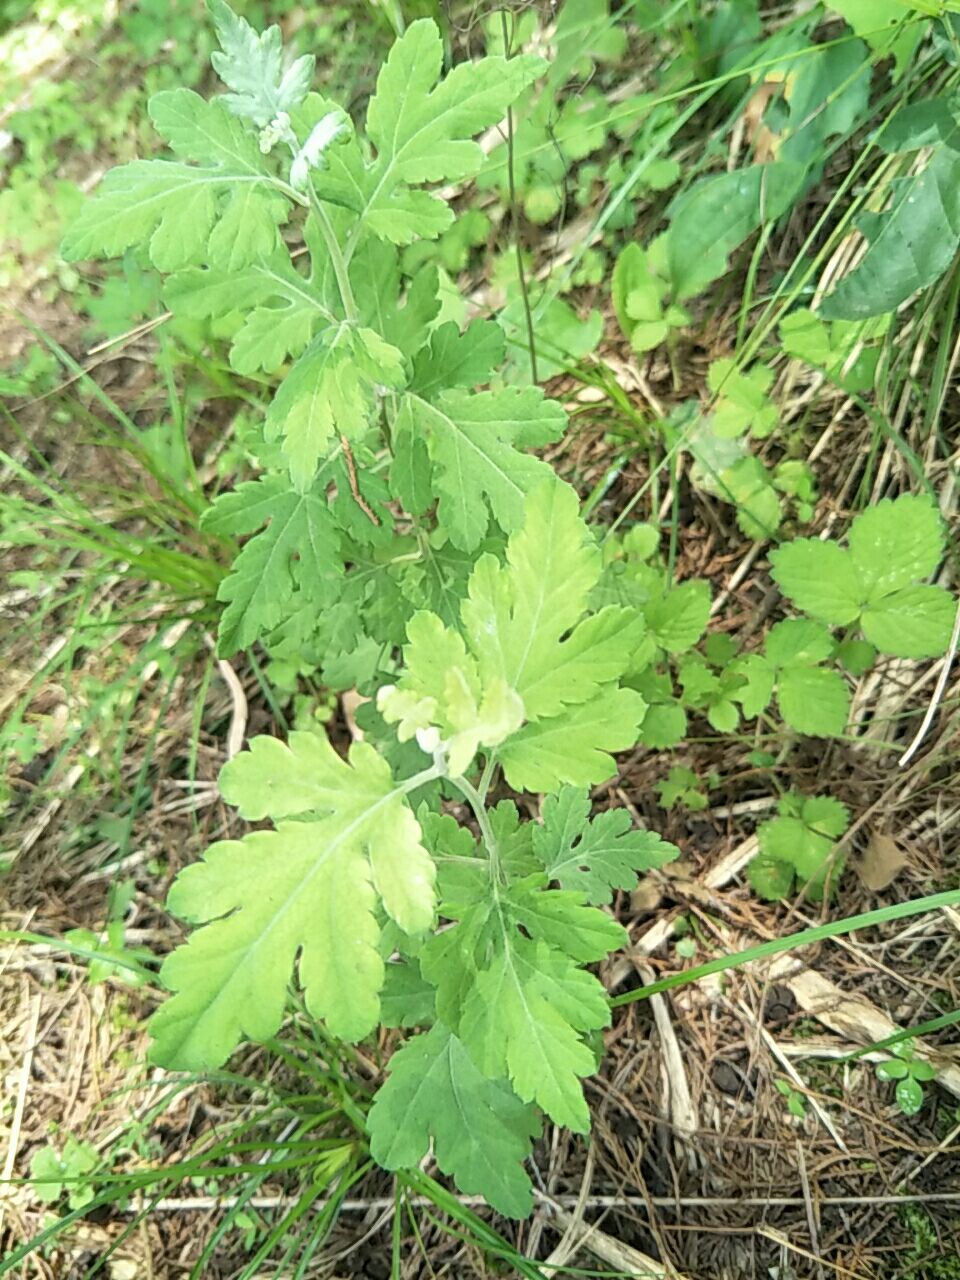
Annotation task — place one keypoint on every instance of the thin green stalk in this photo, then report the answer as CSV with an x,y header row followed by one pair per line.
x,y
475,800
834,929
514,227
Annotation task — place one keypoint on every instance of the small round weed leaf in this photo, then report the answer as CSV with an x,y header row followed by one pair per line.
x,y
909,1096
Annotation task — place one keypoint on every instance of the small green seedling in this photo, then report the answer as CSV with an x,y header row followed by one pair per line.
x,y
113,959
641,301
910,1074
795,1101
797,848
683,787
52,1172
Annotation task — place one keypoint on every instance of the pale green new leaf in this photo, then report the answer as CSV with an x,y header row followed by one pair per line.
x,y
521,621
474,443
480,1130
298,548
223,209
595,856
306,893
325,394
252,66
573,747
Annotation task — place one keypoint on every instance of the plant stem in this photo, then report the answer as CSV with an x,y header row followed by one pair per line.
x,y
337,260
420,779
475,800
514,228
486,778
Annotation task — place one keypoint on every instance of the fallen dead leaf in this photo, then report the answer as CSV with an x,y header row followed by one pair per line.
x,y
882,861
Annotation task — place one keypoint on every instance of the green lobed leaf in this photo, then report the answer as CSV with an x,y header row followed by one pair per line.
x,y
524,1017
573,747
595,856
423,130
474,444
304,893
223,209
296,553
480,1130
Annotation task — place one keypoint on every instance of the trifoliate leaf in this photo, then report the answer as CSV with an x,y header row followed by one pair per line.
x,y
594,856
813,700
758,676
799,844
913,623
749,484
895,543
891,545
798,642
770,878
252,66
742,399
820,578
224,209
474,442
306,892
298,551
480,1130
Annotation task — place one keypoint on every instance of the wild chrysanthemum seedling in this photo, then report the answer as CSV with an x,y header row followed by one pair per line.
x,y
346,890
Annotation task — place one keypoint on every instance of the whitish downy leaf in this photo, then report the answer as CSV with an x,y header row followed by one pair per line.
x,y
218,205
251,65
304,894
480,1130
